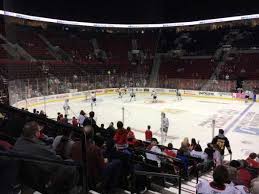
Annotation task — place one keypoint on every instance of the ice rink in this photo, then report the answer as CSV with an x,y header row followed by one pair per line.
x,y
191,117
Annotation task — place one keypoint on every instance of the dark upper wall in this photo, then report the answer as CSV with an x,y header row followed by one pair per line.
x,y
132,11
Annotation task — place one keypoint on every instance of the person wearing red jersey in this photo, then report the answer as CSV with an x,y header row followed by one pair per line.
x,y
251,161
169,151
74,122
148,134
120,137
130,136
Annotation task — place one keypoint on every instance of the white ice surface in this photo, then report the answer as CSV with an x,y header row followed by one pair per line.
x,y
191,117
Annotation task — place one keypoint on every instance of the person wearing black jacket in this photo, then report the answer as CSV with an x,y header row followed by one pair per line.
x,y
89,121
222,141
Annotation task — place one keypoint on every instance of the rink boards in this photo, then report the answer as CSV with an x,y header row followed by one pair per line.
x,y
36,101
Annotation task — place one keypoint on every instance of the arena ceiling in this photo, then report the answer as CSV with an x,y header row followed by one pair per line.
x,y
132,11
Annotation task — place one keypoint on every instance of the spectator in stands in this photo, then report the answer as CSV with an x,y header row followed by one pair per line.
x,y
42,114
98,168
34,110
222,142
62,144
148,134
102,127
255,187
198,153
244,177
185,147
43,137
193,144
29,143
89,121
209,151
110,131
130,136
61,118
5,143
37,175
74,122
251,161
184,157
220,177
65,120
58,117
232,181
217,157
185,142
169,151
81,118
120,137
232,175
153,147
8,167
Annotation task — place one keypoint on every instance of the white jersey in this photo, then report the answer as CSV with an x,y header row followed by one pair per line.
x,y
204,187
132,93
217,158
66,105
243,189
153,93
154,157
93,96
201,155
81,119
164,123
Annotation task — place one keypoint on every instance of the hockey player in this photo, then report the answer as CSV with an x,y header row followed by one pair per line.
x,y
120,92
125,90
93,98
247,95
178,95
66,106
132,95
164,127
154,95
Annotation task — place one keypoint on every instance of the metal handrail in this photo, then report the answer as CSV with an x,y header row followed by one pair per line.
x,y
162,175
29,158
160,155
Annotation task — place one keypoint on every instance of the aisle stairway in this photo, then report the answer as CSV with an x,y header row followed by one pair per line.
x,y
188,187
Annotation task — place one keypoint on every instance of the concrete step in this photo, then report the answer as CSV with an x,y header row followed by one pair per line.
x,y
162,190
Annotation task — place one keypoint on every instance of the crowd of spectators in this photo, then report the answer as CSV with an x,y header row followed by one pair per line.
x,y
113,154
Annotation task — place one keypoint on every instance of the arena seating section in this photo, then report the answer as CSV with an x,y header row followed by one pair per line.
x,y
186,55
196,62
